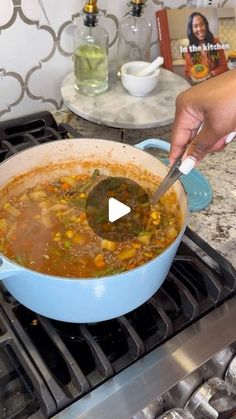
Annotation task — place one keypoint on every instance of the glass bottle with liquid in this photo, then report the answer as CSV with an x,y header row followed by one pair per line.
x,y
134,35
91,53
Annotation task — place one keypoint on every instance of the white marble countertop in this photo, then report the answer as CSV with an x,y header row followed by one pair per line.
x,y
215,224
117,108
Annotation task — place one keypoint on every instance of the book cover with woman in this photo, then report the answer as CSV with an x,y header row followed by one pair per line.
x,y
197,43
205,56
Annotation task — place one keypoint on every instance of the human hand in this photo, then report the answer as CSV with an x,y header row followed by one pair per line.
x,y
212,102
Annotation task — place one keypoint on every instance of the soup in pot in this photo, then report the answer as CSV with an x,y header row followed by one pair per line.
x,y
44,228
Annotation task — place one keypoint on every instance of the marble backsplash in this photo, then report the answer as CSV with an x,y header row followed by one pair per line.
x,y
36,48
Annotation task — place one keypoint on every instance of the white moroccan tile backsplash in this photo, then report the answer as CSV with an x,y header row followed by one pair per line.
x,y
57,12
6,11
36,47
21,53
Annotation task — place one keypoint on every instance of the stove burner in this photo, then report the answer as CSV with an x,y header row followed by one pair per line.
x,y
21,133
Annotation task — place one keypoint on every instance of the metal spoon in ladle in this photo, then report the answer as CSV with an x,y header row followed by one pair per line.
x,y
178,169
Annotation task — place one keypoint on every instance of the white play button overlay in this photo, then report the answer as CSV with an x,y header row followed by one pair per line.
x,y
116,210
107,214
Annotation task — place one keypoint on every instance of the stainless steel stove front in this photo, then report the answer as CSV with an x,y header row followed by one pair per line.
x,y
153,380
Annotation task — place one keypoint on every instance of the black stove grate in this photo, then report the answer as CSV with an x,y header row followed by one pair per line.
x,y
52,363
22,390
24,132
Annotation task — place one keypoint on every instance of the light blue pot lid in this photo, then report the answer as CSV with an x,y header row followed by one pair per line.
x,y
197,188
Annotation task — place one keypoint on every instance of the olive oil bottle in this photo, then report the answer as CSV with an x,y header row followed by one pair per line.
x,y
91,53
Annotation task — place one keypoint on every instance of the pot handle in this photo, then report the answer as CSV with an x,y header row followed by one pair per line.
x,y
153,143
7,269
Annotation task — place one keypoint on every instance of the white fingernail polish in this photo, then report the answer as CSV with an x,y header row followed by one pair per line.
x,y
187,165
230,137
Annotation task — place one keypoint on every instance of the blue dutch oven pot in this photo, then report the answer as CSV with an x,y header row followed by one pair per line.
x,y
95,299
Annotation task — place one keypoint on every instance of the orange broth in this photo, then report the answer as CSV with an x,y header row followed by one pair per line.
x,y
45,229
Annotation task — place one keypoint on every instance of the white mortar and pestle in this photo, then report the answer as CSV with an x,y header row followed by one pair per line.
x,y
140,78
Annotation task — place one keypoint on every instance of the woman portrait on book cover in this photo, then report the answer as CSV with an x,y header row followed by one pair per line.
x,y
205,57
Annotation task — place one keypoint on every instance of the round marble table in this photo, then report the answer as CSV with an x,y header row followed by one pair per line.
x,y
117,108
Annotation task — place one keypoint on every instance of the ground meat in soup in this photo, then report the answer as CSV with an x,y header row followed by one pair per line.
x,y
45,229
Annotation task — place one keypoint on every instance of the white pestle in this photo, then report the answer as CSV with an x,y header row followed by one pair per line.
x,y
150,67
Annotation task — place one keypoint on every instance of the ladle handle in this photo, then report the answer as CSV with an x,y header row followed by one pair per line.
x,y
153,143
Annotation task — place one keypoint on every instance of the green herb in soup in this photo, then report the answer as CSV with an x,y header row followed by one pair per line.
x,y
45,229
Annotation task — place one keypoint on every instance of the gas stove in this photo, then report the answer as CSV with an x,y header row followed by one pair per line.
x,y
174,356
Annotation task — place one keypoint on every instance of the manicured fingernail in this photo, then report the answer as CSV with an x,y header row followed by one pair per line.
x,y
230,137
187,165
